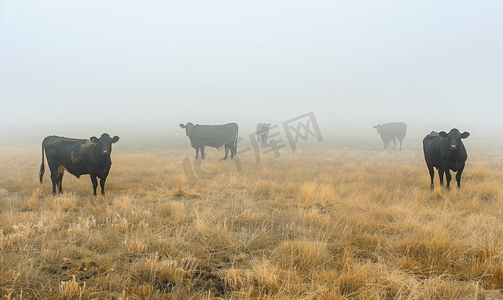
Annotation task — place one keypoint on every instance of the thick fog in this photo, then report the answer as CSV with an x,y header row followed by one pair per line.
x,y
138,65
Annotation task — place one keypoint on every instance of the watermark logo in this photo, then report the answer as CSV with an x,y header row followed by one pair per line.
x,y
311,120
298,128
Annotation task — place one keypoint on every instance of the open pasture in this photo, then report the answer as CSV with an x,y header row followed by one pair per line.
x,y
329,221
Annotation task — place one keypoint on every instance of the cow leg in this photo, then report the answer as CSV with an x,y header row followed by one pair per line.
x,y
197,152
448,178
386,143
226,151
233,150
400,145
60,183
54,177
202,152
432,174
102,185
441,176
458,176
394,143
95,184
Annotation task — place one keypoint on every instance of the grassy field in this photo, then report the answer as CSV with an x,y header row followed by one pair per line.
x,y
329,221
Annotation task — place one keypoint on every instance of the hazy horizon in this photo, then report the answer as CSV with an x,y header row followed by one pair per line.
x,y
122,64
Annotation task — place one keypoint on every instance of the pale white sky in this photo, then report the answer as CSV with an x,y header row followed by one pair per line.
x,y
435,64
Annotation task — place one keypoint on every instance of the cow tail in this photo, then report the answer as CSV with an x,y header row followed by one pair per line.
x,y
42,166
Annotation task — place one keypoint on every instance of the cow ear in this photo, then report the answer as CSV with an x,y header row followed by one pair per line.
x,y
115,139
442,134
183,126
465,134
94,139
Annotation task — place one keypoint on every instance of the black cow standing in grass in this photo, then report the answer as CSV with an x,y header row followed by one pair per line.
x,y
392,131
445,151
214,136
263,132
78,157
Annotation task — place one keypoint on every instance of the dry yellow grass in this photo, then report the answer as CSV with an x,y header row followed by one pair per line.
x,y
325,222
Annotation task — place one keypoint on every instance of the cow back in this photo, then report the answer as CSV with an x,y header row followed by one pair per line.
x,y
431,149
392,130
213,135
77,156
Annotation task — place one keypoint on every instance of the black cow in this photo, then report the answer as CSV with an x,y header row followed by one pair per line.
x,y
263,132
214,136
78,157
445,151
390,131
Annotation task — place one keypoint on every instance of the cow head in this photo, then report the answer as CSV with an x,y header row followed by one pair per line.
x,y
188,128
378,127
454,137
105,143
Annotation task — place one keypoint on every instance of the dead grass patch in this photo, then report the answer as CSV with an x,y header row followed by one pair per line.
x,y
321,223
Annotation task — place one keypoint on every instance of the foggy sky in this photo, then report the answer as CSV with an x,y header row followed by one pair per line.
x,y
435,64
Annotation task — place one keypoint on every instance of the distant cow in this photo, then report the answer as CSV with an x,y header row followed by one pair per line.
x,y
391,131
214,136
263,132
78,157
445,151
